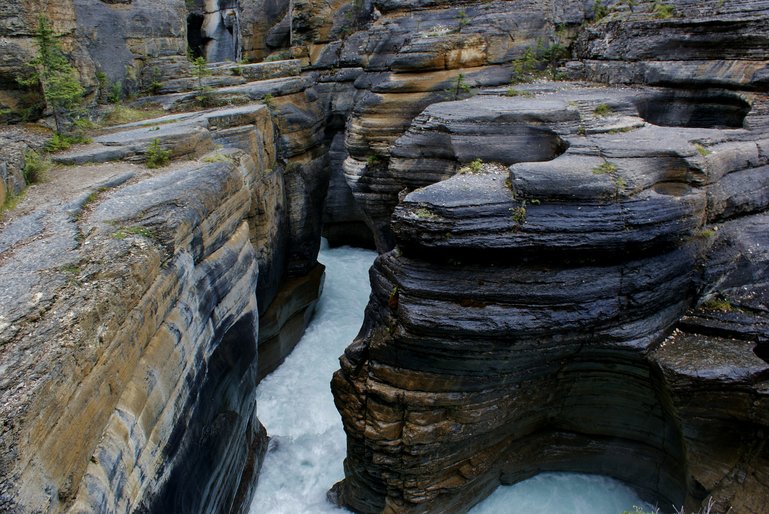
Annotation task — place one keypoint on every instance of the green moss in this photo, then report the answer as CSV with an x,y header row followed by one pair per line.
x,y
475,166
134,230
462,19
603,110
423,213
519,213
115,95
600,11
11,201
718,304
517,92
72,269
218,157
36,167
663,11
60,142
605,168
278,56
702,150
121,114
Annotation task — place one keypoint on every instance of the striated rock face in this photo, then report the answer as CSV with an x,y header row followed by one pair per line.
x,y
546,310
542,309
16,144
578,274
130,326
417,57
265,26
118,39
700,44
417,54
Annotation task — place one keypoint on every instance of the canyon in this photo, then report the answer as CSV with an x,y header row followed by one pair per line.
x,y
569,201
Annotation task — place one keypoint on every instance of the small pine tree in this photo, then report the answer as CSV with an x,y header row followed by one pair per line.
x,y
57,77
200,71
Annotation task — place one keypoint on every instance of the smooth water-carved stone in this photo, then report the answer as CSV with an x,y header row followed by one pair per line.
x,y
718,109
541,316
139,289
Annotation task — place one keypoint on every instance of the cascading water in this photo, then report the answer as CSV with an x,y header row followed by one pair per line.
x,y
307,445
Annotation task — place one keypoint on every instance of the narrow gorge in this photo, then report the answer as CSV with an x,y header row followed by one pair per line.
x,y
569,201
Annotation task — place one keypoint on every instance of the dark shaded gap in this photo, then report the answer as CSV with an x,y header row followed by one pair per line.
x,y
195,40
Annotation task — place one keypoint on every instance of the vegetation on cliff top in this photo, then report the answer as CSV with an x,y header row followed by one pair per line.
x,y
58,79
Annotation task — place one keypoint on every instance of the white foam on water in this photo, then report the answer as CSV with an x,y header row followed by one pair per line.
x,y
308,446
295,404
555,493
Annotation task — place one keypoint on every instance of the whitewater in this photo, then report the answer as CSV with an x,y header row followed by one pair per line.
x,y
307,445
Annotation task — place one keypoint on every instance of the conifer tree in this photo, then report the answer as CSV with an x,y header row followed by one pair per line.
x,y
57,77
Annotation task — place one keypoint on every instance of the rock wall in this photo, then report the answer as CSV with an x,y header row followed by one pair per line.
x,y
129,348
695,44
494,334
116,39
535,313
550,242
413,58
141,305
265,27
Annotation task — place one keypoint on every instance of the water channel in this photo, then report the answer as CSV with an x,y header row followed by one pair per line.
x,y
307,444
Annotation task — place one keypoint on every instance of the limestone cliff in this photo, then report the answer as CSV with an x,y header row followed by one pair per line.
x,y
578,278
573,277
522,323
129,330
158,299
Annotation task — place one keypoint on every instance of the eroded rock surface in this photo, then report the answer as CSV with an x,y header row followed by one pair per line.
x,y
590,293
536,313
130,331
129,345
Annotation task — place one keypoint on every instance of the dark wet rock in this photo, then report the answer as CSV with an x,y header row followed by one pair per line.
x,y
343,221
282,325
551,306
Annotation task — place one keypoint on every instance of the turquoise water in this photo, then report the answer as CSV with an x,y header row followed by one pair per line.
x,y
307,444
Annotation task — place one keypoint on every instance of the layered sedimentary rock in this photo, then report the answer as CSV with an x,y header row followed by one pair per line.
x,y
446,50
129,345
265,27
700,44
413,58
114,40
527,319
131,325
588,292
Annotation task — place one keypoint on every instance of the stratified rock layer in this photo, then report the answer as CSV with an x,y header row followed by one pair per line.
x,y
129,348
131,314
535,314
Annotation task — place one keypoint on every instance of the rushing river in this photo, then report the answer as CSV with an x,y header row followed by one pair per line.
x,y
307,444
